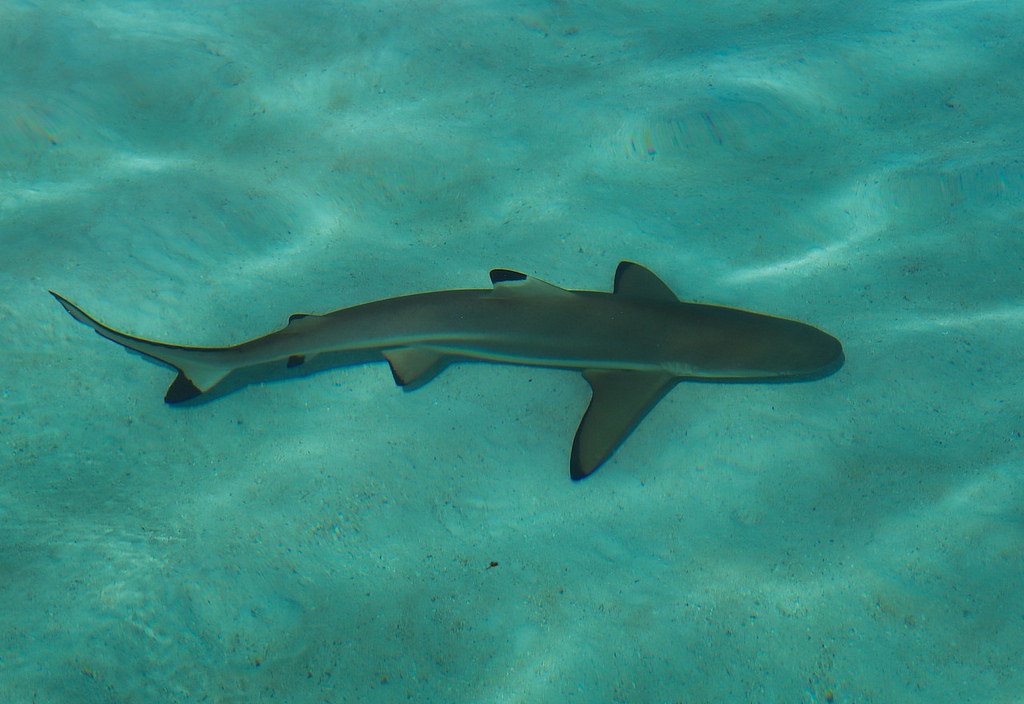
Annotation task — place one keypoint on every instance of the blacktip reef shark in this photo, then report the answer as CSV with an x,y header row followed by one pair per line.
x,y
632,345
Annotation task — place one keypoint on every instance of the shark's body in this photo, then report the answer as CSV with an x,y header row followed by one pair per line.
x,y
632,345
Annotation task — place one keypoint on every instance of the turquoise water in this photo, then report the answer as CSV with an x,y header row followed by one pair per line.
x,y
195,173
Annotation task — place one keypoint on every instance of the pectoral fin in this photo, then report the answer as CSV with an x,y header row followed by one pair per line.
x,y
620,401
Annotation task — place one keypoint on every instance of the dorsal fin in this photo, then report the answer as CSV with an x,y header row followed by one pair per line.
x,y
507,281
302,321
637,281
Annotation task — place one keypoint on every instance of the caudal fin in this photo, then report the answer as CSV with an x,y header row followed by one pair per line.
x,y
199,368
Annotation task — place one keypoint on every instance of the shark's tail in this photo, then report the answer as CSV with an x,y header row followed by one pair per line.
x,y
198,367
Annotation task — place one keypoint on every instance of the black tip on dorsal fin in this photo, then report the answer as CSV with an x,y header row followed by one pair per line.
x,y
295,360
297,316
181,389
499,276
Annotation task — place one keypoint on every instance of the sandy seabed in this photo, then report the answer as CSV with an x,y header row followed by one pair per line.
x,y
197,174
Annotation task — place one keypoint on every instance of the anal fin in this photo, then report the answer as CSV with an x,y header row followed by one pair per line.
x,y
620,401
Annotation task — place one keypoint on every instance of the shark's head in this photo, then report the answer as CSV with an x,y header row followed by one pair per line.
x,y
797,352
729,344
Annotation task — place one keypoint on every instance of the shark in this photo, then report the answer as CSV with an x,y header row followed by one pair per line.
x,y
632,345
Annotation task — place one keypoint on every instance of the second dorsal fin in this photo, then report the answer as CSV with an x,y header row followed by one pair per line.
x,y
516,283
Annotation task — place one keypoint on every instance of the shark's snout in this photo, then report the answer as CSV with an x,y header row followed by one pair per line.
x,y
817,356
834,357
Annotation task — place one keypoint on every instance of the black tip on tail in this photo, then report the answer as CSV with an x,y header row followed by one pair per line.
x,y
181,389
